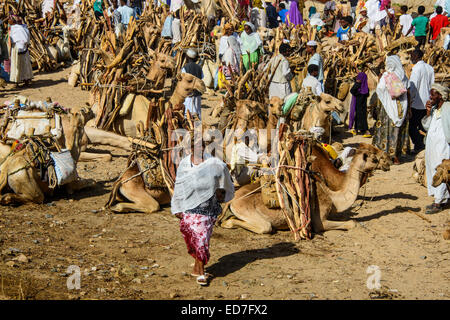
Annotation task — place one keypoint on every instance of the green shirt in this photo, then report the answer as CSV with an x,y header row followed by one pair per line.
x,y
98,5
421,26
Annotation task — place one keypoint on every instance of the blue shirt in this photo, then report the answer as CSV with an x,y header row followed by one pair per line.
x,y
342,32
282,14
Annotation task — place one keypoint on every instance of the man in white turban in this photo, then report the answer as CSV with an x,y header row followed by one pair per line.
x,y
437,147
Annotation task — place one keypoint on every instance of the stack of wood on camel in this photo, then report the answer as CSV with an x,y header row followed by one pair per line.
x,y
39,149
136,189
442,175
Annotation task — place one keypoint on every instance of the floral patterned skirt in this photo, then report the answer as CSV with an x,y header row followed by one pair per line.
x,y
387,137
196,230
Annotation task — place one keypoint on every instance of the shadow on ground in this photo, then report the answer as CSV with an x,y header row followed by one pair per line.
x,y
236,261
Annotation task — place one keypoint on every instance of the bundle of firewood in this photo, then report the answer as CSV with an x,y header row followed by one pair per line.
x,y
293,182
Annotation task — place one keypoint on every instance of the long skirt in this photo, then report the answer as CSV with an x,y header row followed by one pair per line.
x,y
387,137
21,69
196,230
247,62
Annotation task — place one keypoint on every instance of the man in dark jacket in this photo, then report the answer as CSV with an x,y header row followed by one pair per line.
x,y
194,102
272,15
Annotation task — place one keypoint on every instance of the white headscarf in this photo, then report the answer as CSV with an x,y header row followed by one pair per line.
x,y
195,185
393,64
20,36
250,42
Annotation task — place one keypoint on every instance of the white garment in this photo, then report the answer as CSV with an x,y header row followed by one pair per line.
x,y
436,150
194,105
316,20
422,77
446,42
195,185
20,36
405,22
393,64
258,17
175,5
176,31
313,83
317,60
21,69
226,42
280,85
47,6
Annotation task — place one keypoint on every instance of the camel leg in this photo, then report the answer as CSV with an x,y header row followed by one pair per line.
x,y
134,190
97,136
89,156
13,198
255,224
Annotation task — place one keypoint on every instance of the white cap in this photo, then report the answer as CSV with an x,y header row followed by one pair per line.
x,y
312,43
191,53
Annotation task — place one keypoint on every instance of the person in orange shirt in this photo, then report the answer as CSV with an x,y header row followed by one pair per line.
x,y
437,23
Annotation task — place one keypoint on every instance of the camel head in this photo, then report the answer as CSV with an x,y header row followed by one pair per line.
x,y
186,85
366,160
328,103
165,61
276,106
73,126
383,158
442,174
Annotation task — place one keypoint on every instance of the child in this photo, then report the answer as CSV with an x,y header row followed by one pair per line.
x,y
358,107
421,25
343,33
405,20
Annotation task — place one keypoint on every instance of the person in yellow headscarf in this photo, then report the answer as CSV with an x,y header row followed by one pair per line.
x,y
258,14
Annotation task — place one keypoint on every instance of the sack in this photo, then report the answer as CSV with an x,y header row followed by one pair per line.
x,y
394,85
167,28
65,167
269,192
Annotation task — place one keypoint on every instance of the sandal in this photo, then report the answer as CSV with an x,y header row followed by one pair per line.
x,y
434,208
353,132
202,280
206,274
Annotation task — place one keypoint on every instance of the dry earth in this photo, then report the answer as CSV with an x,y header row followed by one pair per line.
x,y
143,256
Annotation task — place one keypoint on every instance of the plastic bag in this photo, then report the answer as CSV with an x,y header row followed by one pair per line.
x,y
65,167
394,85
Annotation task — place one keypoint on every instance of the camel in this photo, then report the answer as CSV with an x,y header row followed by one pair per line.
x,y
132,194
138,110
336,192
442,174
159,67
23,179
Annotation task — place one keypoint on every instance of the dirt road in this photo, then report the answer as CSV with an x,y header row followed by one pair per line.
x,y
143,256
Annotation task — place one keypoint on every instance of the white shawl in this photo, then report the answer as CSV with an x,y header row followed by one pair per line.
x,y
196,184
393,64
20,36
250,42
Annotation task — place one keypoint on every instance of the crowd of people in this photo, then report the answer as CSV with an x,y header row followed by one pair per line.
x,y
407,107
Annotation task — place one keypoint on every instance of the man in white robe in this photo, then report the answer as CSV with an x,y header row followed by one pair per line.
x,y
437,147
316,58
422,77
280,85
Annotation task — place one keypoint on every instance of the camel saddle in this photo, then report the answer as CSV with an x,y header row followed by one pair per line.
x,y
269,192
150,170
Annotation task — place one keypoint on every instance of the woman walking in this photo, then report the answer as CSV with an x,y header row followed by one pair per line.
x,y
251,46
391,126
200,187
358,106
21,70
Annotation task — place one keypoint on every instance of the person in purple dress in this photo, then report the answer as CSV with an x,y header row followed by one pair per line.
x,y
294,16
358,108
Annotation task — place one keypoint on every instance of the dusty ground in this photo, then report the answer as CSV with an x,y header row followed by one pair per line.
x,y
143,256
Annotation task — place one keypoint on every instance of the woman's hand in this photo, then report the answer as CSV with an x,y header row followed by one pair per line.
x,y
179,215
220,195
